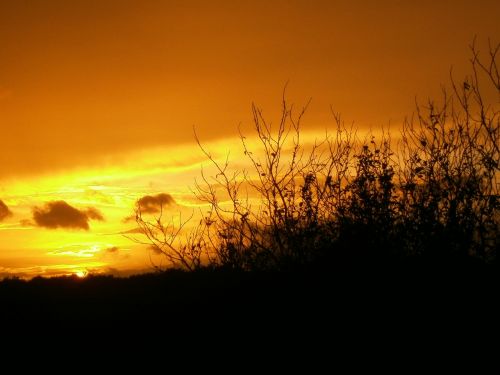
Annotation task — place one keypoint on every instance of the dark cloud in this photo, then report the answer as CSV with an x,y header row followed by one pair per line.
x,y
112,250
59,214
94,214
152,204
4,211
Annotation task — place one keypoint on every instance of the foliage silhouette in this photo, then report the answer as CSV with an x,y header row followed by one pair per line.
x,y
426,202
433,194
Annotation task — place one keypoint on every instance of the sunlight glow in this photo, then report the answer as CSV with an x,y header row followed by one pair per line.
x,y
81,274
112,190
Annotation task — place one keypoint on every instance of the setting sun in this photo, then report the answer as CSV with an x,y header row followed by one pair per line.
x,y
81,274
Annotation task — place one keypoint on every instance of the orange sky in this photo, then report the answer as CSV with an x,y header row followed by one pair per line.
x,y
98,98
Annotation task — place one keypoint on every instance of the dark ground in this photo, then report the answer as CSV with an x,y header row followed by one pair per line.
x,y
315,298
400,317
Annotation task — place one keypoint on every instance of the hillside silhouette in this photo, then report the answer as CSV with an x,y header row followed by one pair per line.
x,y
313,298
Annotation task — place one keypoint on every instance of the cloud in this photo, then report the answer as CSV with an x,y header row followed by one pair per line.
x,y
4,211
134,231
152,204
115,252
112,250
59,214
27,223
94,214
98,196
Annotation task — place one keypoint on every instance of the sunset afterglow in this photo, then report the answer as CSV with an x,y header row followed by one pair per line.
x,y
100,102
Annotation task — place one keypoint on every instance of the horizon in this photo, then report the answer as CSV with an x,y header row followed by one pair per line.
x,y
98,101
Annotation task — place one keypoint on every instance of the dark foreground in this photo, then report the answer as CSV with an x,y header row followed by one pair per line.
x,y
315,299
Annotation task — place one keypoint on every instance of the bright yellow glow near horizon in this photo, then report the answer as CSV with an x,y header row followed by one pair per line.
x,y
81,274
98,100
28,249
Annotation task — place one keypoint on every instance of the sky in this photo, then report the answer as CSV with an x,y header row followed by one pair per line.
x,y
98,100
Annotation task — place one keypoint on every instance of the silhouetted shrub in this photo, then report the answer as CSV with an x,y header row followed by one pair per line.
x,y
433,193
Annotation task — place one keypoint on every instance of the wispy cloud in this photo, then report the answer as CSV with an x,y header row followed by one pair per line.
x,y
86,250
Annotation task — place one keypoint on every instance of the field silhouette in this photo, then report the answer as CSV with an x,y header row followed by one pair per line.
x,y
374,229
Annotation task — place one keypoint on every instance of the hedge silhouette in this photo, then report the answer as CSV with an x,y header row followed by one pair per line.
x,y
432,193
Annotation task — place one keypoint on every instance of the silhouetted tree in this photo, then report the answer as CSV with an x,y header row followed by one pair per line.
x,y
449,176
434,194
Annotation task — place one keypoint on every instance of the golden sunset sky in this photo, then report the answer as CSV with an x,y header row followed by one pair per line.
x,y
98,99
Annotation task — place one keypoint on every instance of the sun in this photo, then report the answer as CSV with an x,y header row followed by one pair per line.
x,y
81,274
